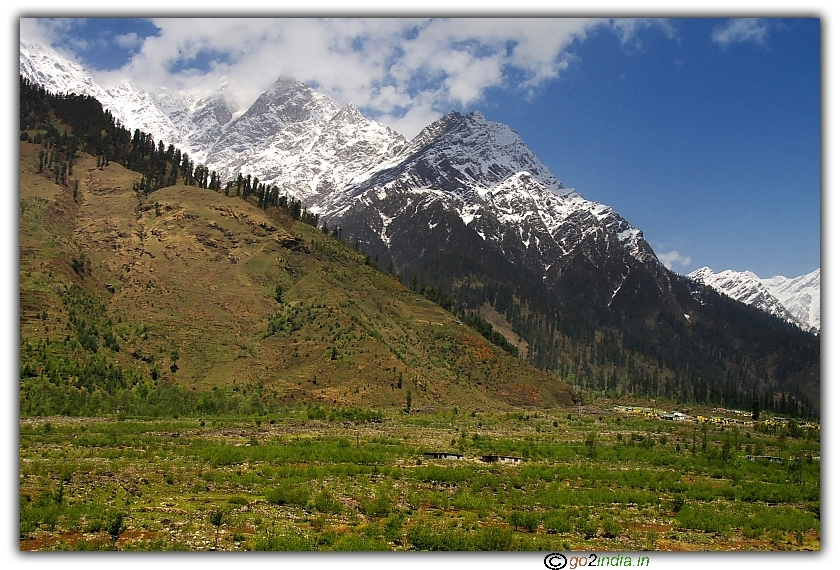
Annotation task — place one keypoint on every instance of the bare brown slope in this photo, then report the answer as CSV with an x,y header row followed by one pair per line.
x,y
189,278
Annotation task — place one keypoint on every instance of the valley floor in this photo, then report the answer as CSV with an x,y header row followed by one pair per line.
x,y
321,479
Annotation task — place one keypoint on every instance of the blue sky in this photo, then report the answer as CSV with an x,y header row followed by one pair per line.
x,y
703,133
712,150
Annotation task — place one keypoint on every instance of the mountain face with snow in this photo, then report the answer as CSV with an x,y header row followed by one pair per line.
x,y
796,300
191,124
302,142
800,296
479,179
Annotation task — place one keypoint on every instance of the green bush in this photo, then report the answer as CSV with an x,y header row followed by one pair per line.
x,y
703,517
379,506
356,543
558,522
294,496
493,538
610,526
285,540
393,527
325,503
528,520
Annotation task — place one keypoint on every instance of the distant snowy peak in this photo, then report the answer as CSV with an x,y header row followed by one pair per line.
x,y
485,153
744,286
287,104
794,300
800,295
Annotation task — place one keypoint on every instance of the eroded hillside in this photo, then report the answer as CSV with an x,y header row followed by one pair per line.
x,y
187,287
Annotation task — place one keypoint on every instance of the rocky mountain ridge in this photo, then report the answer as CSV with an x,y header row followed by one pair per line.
x,y
795,300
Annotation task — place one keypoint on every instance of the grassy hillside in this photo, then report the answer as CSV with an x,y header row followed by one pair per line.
x,y
217,301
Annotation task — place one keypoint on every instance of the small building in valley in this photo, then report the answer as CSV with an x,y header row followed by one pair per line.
x,y
501,459
443,455
770,458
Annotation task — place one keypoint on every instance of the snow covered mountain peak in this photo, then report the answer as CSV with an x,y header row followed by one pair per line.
x,y
287,102
794,300
800,295
284,83
484,153
44,66
349,114
480,176
303,142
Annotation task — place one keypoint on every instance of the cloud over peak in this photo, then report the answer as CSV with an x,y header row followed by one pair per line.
x,y
401,71
673,257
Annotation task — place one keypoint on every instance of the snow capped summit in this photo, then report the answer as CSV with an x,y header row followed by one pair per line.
x,y
302,141
800,296
189,124
796,301
480,173
349,114
480,152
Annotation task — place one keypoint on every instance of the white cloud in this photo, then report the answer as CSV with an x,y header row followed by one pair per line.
x,y
46,30
127,41
673,257
399,71
741,30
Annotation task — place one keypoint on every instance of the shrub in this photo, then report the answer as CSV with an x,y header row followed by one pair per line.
x,y
678,503
285,540
393,527
610,527
585,525
297,496
116,526
216,518
703,517
325,503
379,506
493,538
558,522
529,520
423,536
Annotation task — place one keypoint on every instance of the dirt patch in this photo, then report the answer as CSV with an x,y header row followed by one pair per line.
x,y
650,527
501,325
